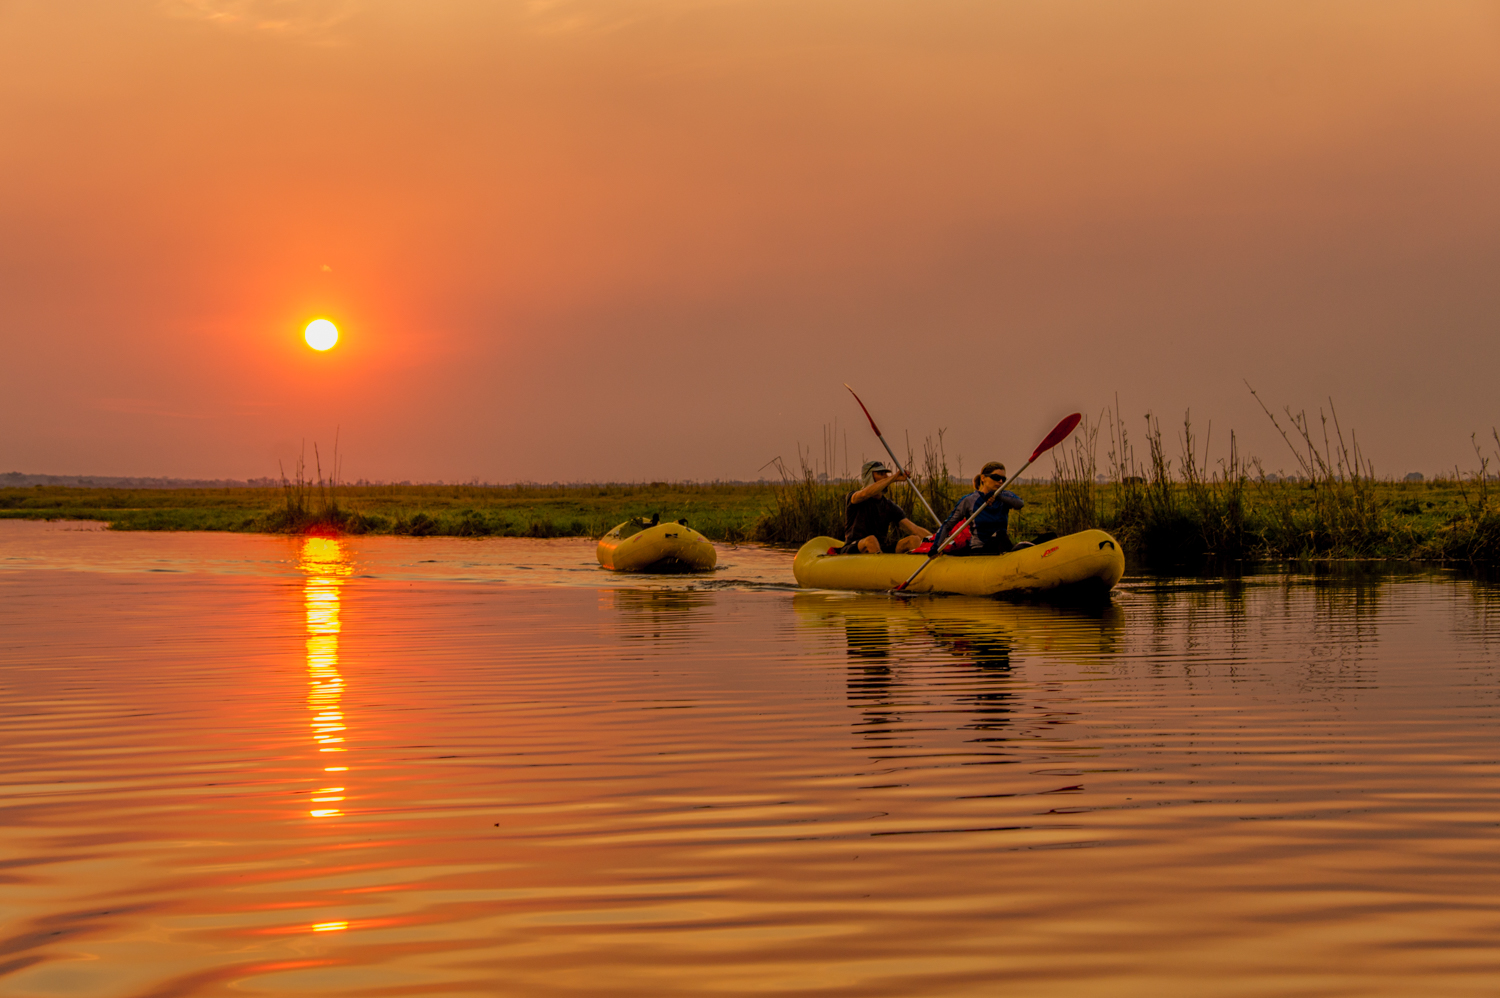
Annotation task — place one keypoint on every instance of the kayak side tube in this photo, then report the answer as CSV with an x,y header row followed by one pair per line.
x,y
1089,559
667,547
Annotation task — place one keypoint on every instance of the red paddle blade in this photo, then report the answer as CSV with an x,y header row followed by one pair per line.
x,y
1058,435
862,406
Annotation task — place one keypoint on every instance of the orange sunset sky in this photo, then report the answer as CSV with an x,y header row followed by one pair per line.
x,y
647,239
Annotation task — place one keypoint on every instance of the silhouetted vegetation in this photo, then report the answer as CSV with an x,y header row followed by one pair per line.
x,y
1167,508
1333,508
722,512
809,502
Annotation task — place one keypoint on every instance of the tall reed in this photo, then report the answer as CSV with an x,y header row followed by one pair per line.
x,y
1344,515
1473,533
1075,494
809,501
311,502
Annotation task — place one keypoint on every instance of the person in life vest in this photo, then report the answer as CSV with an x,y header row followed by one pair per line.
x,y
990,531
868,514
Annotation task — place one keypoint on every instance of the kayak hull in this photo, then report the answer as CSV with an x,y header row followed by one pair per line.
x,y
667,547
1089,561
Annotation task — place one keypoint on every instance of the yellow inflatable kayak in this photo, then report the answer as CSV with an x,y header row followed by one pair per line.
x,y
638,546
1088,561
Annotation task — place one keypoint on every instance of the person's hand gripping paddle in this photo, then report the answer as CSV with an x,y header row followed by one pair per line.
x,y
923,499
1058,435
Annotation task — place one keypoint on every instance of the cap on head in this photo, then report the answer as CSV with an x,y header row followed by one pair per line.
x,y
867,473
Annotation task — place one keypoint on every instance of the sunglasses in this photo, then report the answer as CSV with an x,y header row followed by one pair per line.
x,y
995,477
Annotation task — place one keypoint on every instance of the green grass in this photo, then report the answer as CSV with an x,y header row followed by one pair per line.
x,y
1429,521
1256,520
722,512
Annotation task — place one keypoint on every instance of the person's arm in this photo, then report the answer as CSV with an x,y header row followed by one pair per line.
x,y
913,529
959,515
1011,499
875,488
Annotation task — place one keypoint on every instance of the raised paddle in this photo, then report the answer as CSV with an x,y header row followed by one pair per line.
x,y
1058,435
935,518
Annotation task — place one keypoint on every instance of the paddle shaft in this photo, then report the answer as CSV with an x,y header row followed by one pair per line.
x,y
955,532
1058,435
895,460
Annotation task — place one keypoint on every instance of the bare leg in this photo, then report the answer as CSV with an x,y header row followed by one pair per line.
x,y
905,544
869,545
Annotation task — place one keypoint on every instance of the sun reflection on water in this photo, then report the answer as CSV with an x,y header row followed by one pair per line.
x,y
324,561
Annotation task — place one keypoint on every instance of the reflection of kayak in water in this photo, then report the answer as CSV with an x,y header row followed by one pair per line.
x,y
969,627
1088,562
635,546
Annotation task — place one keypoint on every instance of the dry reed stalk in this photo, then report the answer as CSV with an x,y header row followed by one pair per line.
x,y
1075,500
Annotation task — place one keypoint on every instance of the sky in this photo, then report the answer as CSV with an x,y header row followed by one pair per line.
x,y
652,239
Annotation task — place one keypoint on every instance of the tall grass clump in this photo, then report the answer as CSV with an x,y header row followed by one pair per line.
x,y
1334,509
1215,501
1075,495
1472,533
1171,516
809,501
933,479
309,503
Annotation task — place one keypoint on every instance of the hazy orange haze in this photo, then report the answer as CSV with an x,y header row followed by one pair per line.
x,y
634,240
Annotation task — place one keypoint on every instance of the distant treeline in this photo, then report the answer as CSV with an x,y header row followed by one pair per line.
x,y
16,479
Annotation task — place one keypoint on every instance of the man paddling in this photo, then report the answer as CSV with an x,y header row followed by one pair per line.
x,y
868,514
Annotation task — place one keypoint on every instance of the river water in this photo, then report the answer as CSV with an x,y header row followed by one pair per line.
x,y
242,765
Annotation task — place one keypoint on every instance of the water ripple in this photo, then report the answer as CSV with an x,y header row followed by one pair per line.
x,y
310,772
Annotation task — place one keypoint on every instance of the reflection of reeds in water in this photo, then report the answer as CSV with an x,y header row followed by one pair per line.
x,y
325,565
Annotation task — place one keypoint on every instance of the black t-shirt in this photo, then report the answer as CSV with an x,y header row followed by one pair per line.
x,y
873,516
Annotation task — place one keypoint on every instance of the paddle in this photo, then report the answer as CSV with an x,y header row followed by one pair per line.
x,y
1058,435
935,518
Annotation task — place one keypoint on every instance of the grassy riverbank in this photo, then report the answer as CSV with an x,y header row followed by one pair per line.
x,y
722,512
1174,511
1159,522
1255,520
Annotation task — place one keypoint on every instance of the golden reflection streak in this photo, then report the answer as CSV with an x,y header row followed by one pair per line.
x,y
324,561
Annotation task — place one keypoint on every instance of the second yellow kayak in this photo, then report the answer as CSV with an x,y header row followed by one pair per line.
x,y
635,546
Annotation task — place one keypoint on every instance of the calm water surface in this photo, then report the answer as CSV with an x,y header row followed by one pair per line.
x,y
239,765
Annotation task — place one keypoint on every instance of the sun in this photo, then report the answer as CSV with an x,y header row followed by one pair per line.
x,y
321,334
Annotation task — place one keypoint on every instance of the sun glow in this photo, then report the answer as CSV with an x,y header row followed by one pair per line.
x,y
321,334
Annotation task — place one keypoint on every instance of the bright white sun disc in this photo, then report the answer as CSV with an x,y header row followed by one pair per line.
x,y
321,334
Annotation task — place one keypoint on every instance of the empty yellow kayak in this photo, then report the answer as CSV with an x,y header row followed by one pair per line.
x,y
638,546
1088,561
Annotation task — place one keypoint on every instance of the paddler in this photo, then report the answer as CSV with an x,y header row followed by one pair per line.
x,y
869,514
990,531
